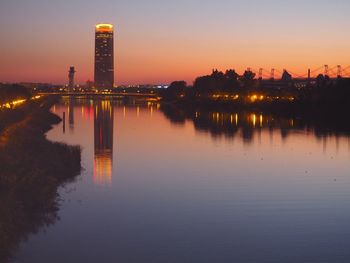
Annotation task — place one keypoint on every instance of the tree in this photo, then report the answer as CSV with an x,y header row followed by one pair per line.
x,y
231,74
176,90
248,78
231,79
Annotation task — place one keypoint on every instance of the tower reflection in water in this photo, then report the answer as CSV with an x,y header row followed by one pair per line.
x,y
103,137
71,113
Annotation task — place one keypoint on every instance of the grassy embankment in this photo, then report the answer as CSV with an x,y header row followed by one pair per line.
x,y
32,169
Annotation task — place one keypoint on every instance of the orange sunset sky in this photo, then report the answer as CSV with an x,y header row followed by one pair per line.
x,y
161,41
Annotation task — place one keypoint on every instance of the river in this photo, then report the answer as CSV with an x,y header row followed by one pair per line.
x,y
158,186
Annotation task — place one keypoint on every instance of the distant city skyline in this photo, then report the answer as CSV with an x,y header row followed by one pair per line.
x,y
161,41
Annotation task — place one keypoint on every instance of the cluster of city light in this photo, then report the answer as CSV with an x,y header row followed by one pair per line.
x,y
252,98
225,96
15,103
256,97
271,98
259,97
12,104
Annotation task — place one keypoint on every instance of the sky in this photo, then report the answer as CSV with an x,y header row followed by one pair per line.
x,y
159,41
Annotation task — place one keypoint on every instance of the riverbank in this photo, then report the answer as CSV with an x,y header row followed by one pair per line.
x,y
323,100
32,169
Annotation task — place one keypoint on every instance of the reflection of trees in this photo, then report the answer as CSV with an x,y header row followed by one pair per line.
x,y
175,115
215,123
247,124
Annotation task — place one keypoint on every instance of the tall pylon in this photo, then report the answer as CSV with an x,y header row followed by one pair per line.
x,y
326,70
339,72
261,73
272,76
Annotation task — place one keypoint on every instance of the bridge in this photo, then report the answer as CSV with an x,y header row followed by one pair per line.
x,y
103,94
332,72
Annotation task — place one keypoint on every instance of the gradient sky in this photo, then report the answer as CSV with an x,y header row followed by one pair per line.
x,y
158,41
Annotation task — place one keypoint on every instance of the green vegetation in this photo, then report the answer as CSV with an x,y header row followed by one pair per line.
x,y
32,169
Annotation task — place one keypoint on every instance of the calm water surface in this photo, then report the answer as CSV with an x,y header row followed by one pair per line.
x,y
227,188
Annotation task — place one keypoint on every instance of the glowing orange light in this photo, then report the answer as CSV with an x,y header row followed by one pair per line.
x,y
12,104
253,98
103,169
253,119
104,28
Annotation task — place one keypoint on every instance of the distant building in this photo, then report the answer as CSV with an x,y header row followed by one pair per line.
x,y
40,87
286,77
89,85
104,57
71,74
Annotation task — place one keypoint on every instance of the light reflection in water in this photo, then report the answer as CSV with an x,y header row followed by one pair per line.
x,y
253,117
103,137
101,114
210,182
71,114
250,125
246,125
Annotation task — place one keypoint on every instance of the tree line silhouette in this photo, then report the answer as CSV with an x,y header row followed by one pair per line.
x,y
221,87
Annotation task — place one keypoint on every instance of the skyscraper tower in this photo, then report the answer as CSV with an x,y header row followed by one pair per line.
x,y
71,79
104,56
